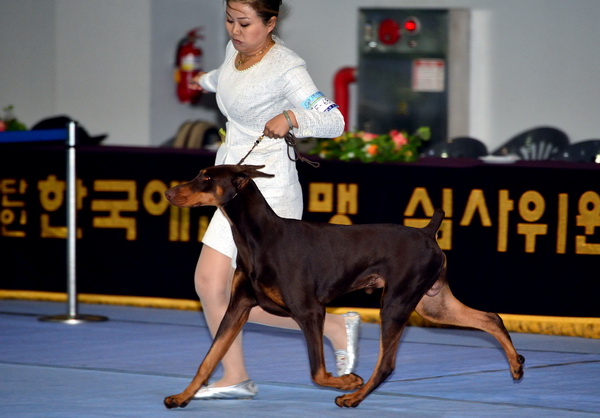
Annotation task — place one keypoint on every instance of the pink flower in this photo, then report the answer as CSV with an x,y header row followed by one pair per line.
x,y
398,138
367,136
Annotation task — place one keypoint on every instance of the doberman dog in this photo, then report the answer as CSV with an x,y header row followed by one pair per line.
x,y
294,268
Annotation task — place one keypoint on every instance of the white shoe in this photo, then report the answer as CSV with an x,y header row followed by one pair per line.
x,y
346,360
244,390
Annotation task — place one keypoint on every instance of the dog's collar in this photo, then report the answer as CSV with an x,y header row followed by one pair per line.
x,y
234,196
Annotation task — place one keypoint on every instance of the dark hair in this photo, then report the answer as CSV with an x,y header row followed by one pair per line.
x,y
265,9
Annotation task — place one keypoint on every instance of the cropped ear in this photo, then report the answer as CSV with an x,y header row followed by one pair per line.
x,y
246,172
240,181
252,171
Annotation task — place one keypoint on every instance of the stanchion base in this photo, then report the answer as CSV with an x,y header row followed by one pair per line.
x,y
73,319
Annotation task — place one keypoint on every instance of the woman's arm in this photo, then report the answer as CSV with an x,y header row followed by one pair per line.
x,y
313,114
208,81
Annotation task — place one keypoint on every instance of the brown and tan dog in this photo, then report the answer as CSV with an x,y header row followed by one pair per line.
x,y
294,268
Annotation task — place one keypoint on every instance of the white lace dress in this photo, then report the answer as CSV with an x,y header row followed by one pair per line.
x,y
249,99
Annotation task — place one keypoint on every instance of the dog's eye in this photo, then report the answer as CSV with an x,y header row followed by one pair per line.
x,y
206,178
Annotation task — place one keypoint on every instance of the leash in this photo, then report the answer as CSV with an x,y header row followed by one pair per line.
x,y
260,138
292,143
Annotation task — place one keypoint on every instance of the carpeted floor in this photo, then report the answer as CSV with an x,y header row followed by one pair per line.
x,y
128,364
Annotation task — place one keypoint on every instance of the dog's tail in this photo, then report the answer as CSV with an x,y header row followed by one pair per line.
x,y
434,224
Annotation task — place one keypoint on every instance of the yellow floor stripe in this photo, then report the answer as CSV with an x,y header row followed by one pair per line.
x,y
532,324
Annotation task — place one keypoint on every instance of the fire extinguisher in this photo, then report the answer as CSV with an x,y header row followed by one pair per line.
x,y
187,65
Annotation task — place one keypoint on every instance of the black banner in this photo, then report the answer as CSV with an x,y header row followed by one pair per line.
x,y
520,238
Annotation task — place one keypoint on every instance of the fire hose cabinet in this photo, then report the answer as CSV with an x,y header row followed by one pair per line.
x,y
413,71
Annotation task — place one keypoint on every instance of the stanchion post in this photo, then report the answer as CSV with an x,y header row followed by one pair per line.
x,y
72,316
71,191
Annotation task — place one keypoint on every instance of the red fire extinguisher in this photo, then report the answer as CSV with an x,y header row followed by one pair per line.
x,y
187,65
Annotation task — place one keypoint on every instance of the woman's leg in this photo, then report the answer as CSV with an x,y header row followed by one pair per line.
x,y
213,284
334,327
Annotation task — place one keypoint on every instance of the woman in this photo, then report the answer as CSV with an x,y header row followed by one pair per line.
x,y
262,88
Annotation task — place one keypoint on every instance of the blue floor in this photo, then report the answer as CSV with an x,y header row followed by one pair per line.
x,y
128,364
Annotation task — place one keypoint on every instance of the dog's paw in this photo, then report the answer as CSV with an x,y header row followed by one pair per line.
x,y
348,401
517,372
353,381
175,401
346,382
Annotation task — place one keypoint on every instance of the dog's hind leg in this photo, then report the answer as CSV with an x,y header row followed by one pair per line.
x,y
440,306
241,302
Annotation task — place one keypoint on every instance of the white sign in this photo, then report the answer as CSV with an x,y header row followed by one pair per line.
x,y
428,75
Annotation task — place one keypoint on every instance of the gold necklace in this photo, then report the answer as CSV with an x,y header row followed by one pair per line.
x,y
241,61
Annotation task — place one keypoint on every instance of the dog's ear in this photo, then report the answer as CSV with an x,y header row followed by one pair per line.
x,y
239,181
252,171
246,172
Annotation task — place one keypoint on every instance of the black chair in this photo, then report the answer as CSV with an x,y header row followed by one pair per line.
x,y
459,147
535,144
587,151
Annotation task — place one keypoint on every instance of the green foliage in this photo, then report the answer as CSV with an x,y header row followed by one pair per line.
x,y
367,147
10,122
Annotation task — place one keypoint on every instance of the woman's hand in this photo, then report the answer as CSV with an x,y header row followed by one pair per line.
x,y
195,83
278,127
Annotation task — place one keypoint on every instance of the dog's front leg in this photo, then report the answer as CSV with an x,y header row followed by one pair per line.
x,y
311,324
392,325
241,302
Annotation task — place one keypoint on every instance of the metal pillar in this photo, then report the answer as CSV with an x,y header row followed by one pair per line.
x,y
72,317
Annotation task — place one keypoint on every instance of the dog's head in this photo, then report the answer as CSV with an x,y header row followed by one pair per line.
x,y
214,186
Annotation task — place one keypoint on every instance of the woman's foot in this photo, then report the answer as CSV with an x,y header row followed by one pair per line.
x,y
243,390
346,360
